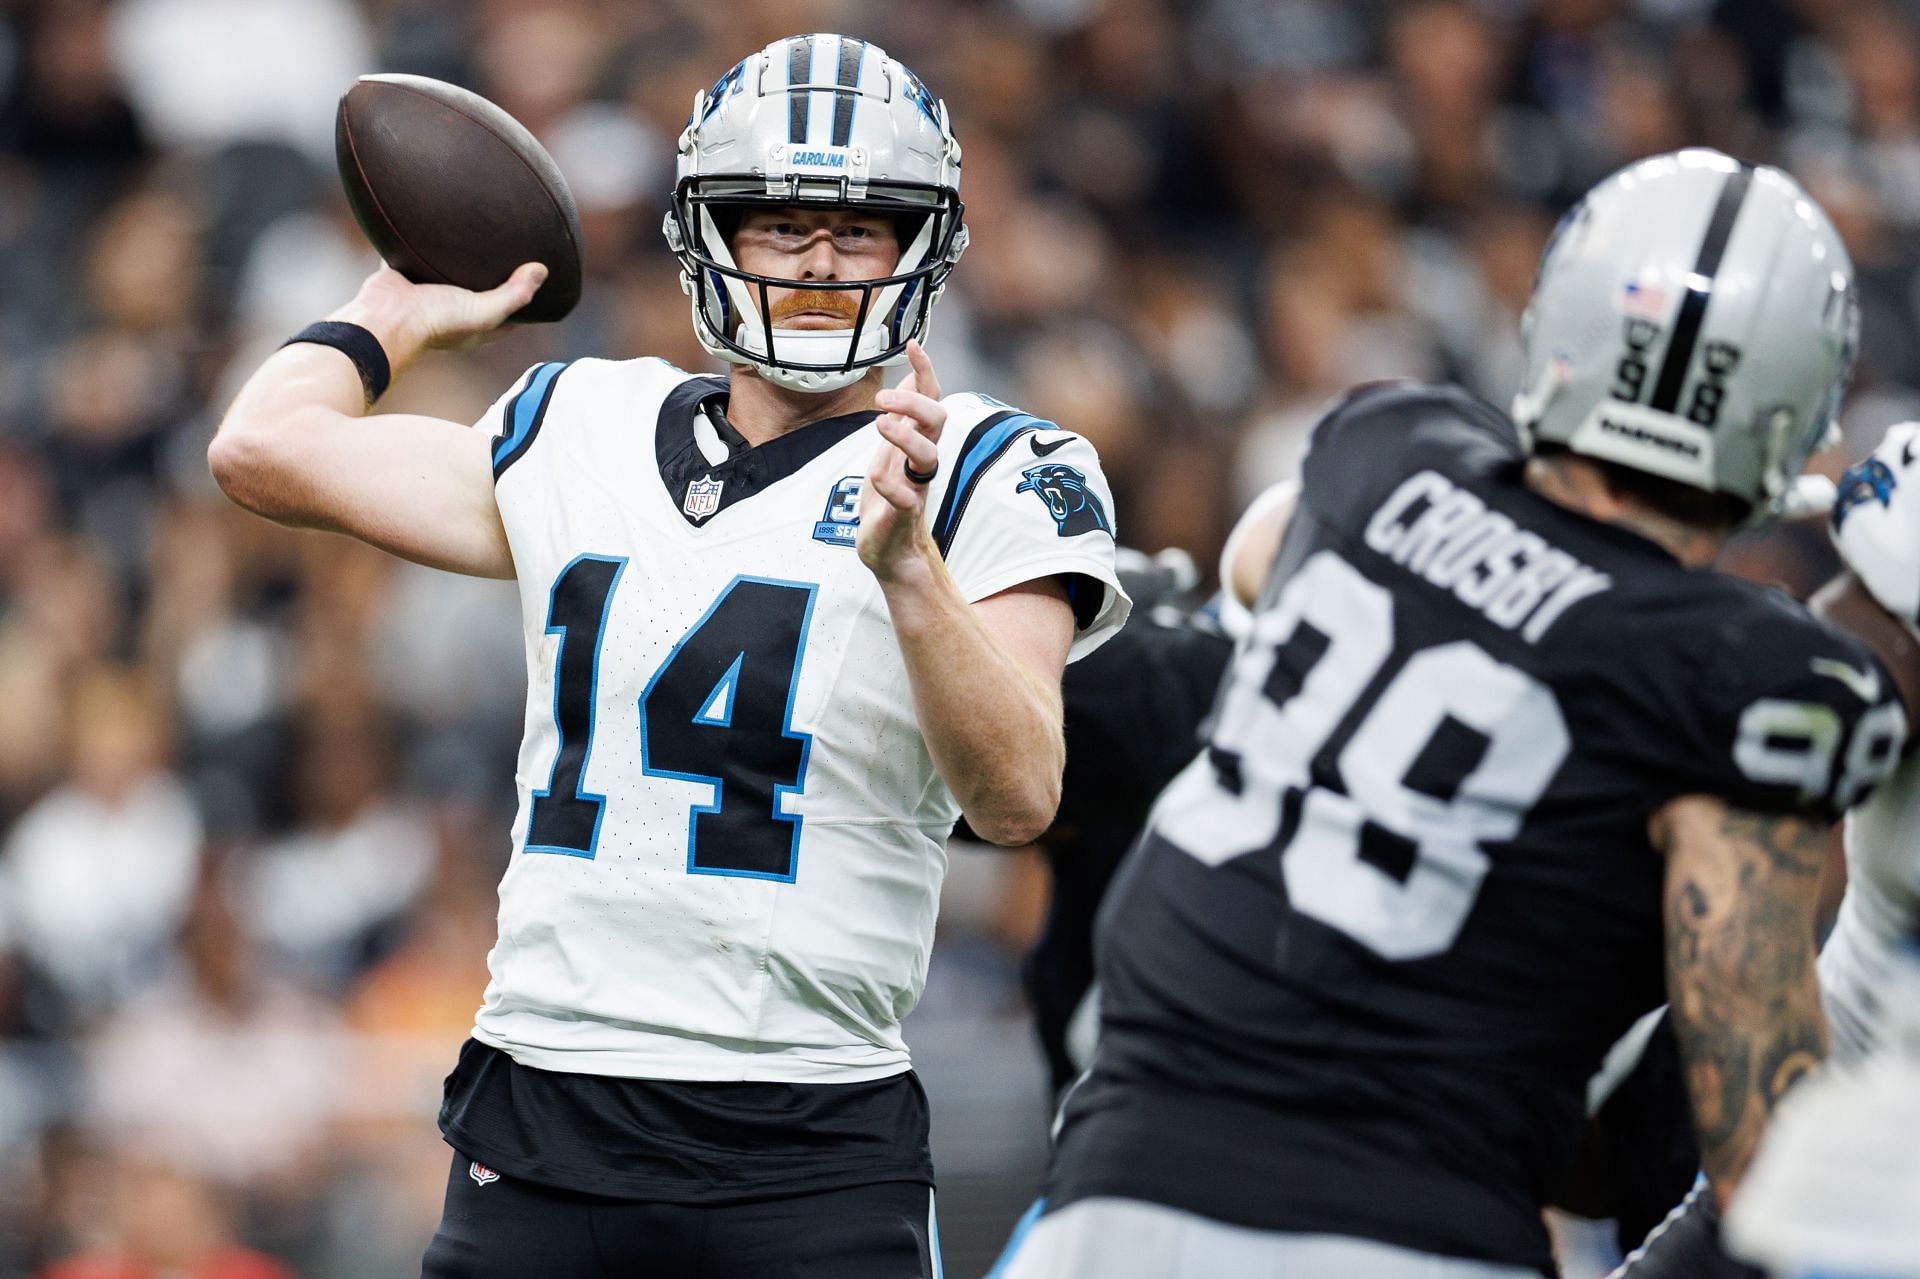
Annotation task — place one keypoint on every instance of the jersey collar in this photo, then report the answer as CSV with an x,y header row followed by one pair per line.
x,y
693,432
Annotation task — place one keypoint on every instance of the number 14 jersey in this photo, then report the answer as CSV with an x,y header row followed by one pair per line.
x,y
1382,930
730,838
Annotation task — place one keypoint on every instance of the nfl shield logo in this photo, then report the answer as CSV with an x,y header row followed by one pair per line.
x,y
481,1174
703,498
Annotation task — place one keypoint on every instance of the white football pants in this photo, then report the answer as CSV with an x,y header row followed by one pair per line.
x,y
1128,1239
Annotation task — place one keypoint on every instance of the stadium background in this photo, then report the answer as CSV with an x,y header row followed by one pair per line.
x,y
255,786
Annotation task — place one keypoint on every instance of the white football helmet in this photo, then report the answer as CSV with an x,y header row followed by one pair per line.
x,y
828,121
1694,318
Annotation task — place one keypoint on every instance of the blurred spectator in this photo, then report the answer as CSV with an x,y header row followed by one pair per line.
x,y
1447,64
1336,315
206,73
416,1005
323,896
98,874
222,1069
166,1224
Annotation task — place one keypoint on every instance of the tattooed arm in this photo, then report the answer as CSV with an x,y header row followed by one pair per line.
x,y
1741,893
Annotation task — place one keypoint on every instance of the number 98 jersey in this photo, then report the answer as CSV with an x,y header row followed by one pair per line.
x,y
730,838
1383,928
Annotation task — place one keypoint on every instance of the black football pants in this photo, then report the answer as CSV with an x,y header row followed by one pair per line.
x,y
512,1229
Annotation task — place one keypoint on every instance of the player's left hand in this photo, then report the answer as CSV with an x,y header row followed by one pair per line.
x,y
893,526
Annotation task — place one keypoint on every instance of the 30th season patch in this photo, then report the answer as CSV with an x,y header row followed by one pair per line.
x,y
840,525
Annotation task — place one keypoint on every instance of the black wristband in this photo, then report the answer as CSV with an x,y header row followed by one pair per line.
x,y
358,345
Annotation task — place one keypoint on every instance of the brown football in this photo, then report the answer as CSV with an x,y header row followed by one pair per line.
x,y
450,189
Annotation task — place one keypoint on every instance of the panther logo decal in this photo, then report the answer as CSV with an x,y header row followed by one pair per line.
x,y
1075,507
1869,481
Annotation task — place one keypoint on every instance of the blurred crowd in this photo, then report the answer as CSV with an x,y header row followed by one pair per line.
x,y
255,786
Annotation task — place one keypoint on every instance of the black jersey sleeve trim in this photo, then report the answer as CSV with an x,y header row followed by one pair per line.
x,y
525,414
985,445
1693,308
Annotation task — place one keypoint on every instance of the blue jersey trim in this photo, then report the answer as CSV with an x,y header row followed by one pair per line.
x,y
985,445
1021,1229
933,1234
723,693
525,413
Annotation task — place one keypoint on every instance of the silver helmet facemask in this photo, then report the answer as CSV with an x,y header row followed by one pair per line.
x,y
781,131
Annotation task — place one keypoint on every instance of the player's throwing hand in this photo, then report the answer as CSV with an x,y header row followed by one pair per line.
x,y
409,318
893,503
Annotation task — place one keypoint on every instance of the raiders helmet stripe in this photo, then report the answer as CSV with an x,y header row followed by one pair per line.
x,y
1693,308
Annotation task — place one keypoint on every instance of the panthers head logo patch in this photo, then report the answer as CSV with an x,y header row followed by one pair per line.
x,y
1075,507
1869,481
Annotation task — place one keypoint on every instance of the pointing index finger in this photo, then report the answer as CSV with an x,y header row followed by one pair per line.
x,y
924,380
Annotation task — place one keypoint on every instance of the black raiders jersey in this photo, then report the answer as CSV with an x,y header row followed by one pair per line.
x,y
1132,711
1382,930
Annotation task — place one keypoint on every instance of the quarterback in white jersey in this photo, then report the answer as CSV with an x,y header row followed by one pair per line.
x,y
1876,528
721,744
783,628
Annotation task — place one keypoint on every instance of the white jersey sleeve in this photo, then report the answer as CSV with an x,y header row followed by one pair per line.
x,y
1876,521
1876,527
1018,498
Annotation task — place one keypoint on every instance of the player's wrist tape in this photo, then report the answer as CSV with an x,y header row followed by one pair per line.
x,y
357,344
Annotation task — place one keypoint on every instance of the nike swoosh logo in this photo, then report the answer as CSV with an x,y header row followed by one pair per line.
x,y
1041,450
1865,684
1906,453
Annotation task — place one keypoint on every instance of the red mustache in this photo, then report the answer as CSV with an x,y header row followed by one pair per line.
x,y
832,301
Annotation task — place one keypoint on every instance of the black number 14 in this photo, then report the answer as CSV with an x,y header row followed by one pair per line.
x,y
718,711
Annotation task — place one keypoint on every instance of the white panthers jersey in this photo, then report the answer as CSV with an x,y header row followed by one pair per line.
x,y
1879,915
1876,528
730,839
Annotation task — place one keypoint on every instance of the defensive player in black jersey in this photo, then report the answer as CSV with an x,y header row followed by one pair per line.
x,y
1132,713
1502,767
1875,523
